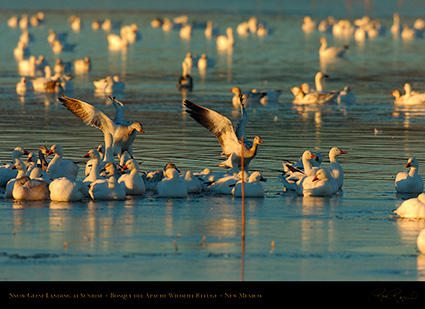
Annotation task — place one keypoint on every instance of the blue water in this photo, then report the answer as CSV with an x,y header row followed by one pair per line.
x,y
352,236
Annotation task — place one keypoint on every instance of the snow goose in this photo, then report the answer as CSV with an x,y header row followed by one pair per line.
x,y
156,22
411,181
55,36
6,171
346,96
192,183
308,24
130,33
76,23
116,42
408,33
406,99
420,241
13,21
22,171
326,51
132,183
24,86
210,30
226,41
335,169
26,189
224,184
42,158
41,63
185,81
66,190
61,67
114,85
222,128
167,25
413,208
419,25
322,184
59,47
312,97
252,186
171,185
123,133
109,188
60,167
82,65
21,50
251,97
396,26
94,162
186,32
292,175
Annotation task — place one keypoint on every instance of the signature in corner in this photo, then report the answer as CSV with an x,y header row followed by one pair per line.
x,y
393,295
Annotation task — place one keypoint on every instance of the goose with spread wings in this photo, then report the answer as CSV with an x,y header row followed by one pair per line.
x,y
230,140
122,131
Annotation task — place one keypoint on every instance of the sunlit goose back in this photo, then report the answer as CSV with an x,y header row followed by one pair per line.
x,y
132,183
192,183
60,167
308,24
412,208
252,186
172,185
322,184
107,189
26,189
411,181
67,190
224,184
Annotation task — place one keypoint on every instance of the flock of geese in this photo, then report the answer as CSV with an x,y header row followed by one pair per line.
x,y
104,179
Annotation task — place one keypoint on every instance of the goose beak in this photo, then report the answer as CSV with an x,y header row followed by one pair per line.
x,y
13,167
315,178
50,152
86,155
407,165
343,152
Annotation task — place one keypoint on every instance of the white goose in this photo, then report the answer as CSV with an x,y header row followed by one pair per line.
x,y
405,99
60,167
26,189
327,52
133,183
94,173
107,189
226,41
185,81
335,168
6,171
192,183
420,241
291,176
252,186
222,128
122,132
411,181
225,183
346,96
117,42
66,190
24,86
171,185
22,170
322,184
82,65
248,97
413,208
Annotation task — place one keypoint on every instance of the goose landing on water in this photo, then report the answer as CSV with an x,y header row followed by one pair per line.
x,y
222,128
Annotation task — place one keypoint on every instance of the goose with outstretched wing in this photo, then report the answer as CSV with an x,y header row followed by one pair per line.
x,y
123,132
222,128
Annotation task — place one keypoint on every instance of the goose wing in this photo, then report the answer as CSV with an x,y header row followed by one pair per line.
x,y
241,125
91,115
217,124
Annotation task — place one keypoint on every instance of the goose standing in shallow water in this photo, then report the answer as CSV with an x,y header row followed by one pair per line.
x,y
226,41
411,181
123,132
222,128
336,169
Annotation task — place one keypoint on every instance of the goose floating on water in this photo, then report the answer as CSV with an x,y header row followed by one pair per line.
x,y
411,181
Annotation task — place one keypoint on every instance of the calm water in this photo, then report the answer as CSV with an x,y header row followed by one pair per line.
x,y
352,236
